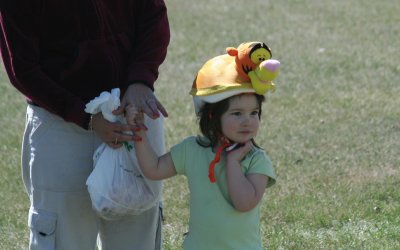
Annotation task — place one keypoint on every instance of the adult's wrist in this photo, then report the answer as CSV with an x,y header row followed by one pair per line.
x,y
150,86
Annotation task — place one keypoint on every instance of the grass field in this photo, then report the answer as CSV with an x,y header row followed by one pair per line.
x,y
332,128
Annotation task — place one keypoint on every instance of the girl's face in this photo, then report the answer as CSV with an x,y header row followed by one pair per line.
x,y
240,122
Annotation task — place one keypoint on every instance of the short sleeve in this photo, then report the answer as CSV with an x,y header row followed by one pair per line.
x,y
258,162
179,154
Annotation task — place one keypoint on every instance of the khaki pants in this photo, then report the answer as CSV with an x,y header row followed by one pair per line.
x,y
56,161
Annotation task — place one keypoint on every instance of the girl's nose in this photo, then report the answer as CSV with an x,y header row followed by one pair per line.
x,y
246,119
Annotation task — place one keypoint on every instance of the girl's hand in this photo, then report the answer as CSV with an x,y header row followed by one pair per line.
x,y
240,152
135,117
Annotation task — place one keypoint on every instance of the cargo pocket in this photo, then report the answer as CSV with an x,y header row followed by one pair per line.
x,y
43,226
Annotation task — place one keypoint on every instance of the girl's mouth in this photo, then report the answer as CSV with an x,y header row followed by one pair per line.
x,y
245,132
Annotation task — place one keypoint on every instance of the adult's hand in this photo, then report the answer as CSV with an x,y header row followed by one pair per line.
x,y
143,98
112,133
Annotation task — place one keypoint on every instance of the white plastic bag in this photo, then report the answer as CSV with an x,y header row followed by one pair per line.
x,y
117,186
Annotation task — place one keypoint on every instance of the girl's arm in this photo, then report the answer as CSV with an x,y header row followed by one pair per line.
x,y
153,166
245,191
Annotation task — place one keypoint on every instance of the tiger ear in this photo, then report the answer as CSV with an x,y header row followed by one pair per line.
x,y
232,51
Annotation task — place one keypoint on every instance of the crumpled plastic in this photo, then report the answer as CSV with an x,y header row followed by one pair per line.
x,y
117,187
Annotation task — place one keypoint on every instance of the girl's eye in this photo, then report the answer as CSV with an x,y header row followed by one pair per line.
x,y
236,113
254,113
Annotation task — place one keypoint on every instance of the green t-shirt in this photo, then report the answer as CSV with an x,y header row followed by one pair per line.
x,y
214,223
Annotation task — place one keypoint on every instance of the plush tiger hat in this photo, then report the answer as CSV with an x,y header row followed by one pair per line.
x,y
246,69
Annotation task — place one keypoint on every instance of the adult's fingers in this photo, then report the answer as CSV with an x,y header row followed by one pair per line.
x,y
113,145
150,108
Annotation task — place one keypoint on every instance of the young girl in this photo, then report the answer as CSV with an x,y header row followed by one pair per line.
x,y
226,171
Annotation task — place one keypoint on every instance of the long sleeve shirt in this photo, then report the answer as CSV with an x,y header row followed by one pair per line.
x,y
61,54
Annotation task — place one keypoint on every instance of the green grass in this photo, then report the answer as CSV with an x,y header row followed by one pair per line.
x,y
332,128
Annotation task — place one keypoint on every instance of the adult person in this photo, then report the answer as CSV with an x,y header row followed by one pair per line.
x,y
60,55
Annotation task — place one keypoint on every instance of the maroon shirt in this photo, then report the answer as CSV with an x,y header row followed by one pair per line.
x,y
62,53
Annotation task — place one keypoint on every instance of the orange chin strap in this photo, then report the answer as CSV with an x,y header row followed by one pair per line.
x,y
217,158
